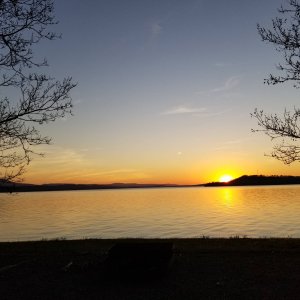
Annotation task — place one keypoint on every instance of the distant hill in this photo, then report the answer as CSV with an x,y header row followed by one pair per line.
x,y
258,180
10,187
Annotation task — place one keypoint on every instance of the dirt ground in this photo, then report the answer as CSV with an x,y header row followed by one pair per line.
x,y
236,268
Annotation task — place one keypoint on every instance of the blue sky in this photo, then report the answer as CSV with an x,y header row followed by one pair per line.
x,y
165,91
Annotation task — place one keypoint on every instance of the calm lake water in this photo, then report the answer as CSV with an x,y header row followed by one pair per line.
x,y
272,211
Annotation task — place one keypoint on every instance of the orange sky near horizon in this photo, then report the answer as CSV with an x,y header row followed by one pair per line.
x,y
70,167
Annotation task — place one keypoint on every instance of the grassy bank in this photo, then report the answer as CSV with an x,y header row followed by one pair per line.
x,y
234,268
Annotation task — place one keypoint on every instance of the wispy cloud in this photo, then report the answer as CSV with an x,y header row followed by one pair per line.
x,y
156,28
183,110
231,83
93,149
68,165
108,173
213,114
153,32
232,142
118,171
55,155
124,175
231,145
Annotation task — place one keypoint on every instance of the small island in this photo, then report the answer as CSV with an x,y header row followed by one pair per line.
x,y
247,180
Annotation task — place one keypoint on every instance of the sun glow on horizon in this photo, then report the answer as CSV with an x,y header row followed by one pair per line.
x,y
225,178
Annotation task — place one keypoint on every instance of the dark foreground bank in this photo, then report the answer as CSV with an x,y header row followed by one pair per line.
x,y
199,269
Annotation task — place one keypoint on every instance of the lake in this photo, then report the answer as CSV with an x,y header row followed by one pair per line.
x,y
264,211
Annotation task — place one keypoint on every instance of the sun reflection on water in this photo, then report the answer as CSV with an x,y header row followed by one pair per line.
x,y
227,197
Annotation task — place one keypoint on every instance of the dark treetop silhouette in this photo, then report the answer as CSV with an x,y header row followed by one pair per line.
x,y
285,35
41,99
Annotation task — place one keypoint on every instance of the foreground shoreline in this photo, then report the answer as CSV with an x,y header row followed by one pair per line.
x,y
202,241
203,268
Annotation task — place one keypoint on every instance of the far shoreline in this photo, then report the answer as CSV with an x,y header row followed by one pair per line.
x,y
245,180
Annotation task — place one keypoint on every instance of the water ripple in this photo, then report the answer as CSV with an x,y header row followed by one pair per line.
x,y
187,212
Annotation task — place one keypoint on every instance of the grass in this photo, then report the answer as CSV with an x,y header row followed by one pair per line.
x,y
202,268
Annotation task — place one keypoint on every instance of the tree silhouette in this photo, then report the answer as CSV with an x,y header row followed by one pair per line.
x,y
37,98
285,36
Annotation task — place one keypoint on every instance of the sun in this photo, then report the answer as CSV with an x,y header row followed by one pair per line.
x,y
225,178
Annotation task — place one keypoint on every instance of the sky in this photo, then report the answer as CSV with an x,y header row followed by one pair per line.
x,y
165,91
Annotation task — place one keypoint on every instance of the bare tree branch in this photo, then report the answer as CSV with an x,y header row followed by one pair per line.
x,y
285,36
24,23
